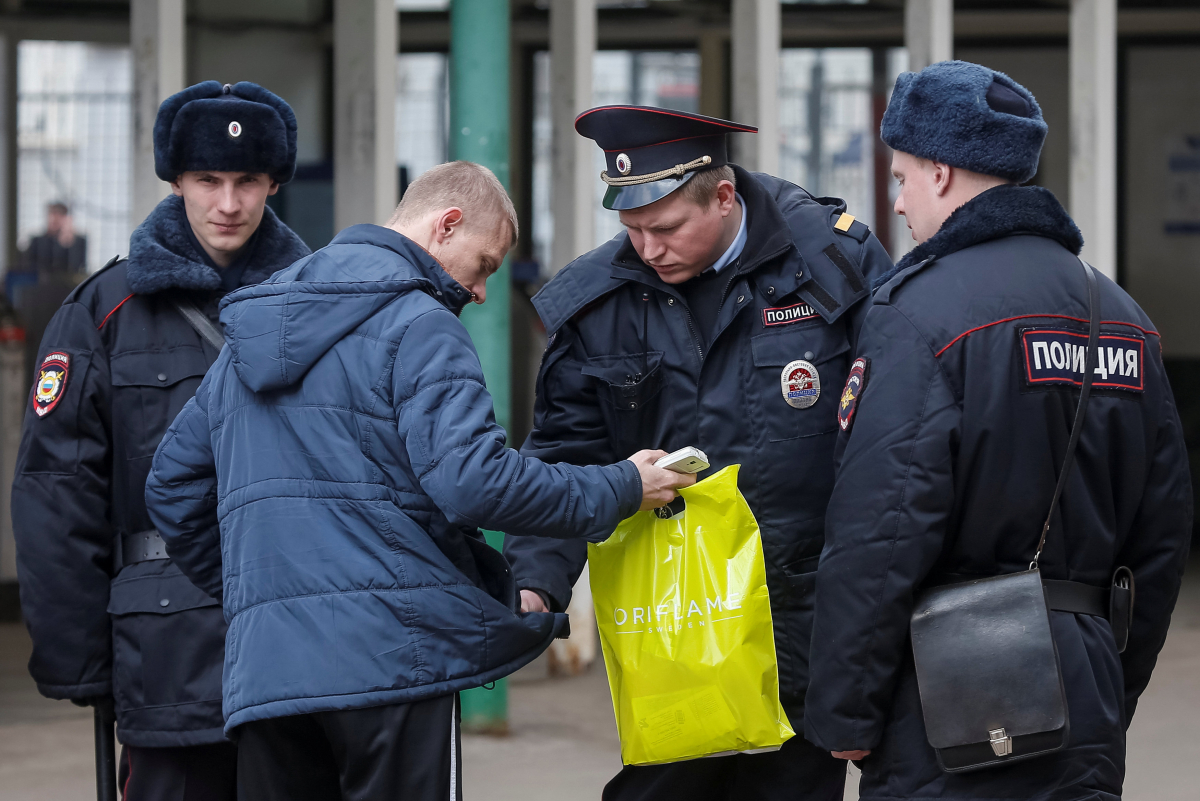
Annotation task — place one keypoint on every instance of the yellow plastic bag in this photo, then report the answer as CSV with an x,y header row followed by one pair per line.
x,y
685,624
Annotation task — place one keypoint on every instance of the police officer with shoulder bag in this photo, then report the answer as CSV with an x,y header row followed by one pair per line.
x,y
724,318
1013,509
110,615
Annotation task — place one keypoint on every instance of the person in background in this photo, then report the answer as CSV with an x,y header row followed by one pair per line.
x,y
954,429
60,251
329,482
55,262
111,616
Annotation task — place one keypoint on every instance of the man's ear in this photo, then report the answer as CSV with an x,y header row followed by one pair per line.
x,y
942,174
726,197
446,224
274,188
177,189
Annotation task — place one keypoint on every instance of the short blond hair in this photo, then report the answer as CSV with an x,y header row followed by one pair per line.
x,y
462,184
701,189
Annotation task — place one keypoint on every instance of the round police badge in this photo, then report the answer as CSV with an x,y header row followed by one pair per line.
x,y
52,380
624,165
801,384
235,129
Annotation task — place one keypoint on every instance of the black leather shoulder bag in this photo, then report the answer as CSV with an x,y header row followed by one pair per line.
x,y
987,667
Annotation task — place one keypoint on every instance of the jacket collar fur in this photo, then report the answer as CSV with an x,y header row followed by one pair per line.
x,y
162,256
1001,211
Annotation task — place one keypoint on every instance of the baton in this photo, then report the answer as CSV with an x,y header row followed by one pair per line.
x,y
106,750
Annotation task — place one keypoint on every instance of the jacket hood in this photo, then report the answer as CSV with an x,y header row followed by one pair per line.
x,y
162,256
1000,211
277,330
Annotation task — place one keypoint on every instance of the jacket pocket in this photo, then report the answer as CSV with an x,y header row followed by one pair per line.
x,y
168,638
150,388
793,631
495,573
628,386
823,346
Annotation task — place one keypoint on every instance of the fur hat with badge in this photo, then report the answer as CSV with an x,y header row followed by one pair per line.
x,y
224,128
968,116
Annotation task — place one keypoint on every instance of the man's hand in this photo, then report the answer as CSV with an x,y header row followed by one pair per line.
x,y
853,756
532,602
658,485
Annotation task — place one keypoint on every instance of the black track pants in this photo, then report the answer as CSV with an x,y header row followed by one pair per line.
x,y
192,773
796,772
402,752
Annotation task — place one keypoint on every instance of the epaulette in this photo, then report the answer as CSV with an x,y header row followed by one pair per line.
x,y
568,293
833,281
71,298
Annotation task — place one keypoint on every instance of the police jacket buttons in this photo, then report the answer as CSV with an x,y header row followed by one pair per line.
x,y
808,354
162,376
164,602
770,290
670,301
741,298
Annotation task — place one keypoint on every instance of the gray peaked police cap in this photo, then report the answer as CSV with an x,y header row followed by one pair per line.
x,y
969,116
224,128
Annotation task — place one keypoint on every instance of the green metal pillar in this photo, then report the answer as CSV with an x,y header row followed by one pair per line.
x,y
479,49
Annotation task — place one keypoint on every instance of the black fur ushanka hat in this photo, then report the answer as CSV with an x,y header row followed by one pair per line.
x,y
224,128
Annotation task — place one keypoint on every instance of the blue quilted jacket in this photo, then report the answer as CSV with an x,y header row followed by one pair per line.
x,y
329,480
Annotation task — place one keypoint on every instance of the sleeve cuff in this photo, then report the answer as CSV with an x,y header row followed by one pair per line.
x,y
630,495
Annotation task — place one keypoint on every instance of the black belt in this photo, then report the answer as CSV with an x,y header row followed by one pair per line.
x,y
1061,596
143,546
1073,596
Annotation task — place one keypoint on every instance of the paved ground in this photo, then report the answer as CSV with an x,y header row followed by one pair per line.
x,y
563,742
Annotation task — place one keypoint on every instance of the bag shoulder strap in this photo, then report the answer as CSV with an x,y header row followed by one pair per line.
x,y
199,321
1080,410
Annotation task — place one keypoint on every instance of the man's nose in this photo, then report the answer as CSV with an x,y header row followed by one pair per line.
x,y
227,201
899,205
479,292
653,247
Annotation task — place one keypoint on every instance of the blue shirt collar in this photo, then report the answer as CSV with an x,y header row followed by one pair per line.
x,y
739,242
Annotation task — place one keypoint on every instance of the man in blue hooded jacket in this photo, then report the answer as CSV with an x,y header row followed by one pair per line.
x,y
328,483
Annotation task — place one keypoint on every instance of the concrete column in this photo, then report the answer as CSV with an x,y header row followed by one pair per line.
x,y
928,32
156,35
575,180
714,73
755,90
364,111
1093,193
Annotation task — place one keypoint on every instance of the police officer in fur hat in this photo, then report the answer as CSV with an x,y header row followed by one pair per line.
x,y
721,320
110,615
955,423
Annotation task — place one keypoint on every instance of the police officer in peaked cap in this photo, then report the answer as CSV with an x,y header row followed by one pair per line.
x,y
955,422
110,615
724,318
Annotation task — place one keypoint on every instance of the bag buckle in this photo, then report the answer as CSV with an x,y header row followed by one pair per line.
x,y
1001,742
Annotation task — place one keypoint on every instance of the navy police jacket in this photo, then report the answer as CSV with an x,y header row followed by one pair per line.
x,y
329,480
625,370
117,363
958,416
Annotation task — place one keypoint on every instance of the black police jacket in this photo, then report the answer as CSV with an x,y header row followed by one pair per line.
x,y
974,359
116,364
625,370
